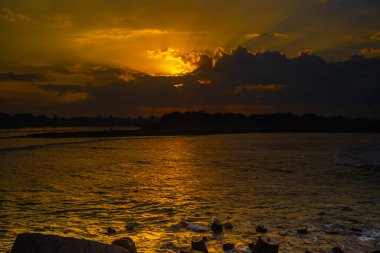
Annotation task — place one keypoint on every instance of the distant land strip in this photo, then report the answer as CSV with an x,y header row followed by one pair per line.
x,y
188,123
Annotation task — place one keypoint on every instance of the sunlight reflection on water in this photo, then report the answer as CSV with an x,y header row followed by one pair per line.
x,y
279,180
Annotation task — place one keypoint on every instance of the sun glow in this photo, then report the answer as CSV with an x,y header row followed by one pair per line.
x,y
173,61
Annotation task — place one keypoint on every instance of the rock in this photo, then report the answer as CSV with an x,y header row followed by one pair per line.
x,y
217,227
111,231
199,246
228,246
261,229
337,250
302,231
228,225
357,230
40,243
126,243
197,227
131,227
264,245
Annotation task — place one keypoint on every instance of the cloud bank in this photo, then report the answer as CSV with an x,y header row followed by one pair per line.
x,y
236,81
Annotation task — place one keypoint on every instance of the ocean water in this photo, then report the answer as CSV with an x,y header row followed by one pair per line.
x,y
168,187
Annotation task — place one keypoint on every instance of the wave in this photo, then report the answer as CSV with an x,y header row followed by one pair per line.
x,y
366,156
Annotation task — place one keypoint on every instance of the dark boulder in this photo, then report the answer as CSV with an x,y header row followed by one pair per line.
x,y
40,243
126,243
337,250
261,229
356,230
199,246
111,231
264,245
217,227
302,231
130,227
228,246
228,225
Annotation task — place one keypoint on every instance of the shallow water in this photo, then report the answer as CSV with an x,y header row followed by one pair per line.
x,y
281,181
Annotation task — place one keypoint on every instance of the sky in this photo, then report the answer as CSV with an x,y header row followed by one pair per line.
x,y
148,57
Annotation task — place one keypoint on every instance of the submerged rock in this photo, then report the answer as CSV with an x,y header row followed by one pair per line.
x,y
131,227
264,245
356,230
302,231
228,246
337,250
126,243
217,227
40,243
261,229
111,231
228,225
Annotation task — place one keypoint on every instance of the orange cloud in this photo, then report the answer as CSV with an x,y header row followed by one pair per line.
x,y
12,16
116,34
371,52
175,62
258,35
178,85
375,36
204,82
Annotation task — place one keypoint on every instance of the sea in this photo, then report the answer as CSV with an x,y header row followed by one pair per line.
x,y
164,192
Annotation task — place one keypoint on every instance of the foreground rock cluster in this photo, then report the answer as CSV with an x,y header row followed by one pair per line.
x,y
41,243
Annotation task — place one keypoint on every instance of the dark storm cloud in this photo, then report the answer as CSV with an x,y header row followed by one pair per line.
x,y
299,84
62,88
20,77
238,79
308,79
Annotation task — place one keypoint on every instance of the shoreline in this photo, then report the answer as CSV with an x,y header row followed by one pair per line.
x,y
195,132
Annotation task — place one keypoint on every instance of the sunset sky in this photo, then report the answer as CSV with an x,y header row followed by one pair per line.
x,y
131,57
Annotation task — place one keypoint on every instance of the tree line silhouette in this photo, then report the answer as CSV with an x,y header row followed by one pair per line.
x,y
201,121
23,120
